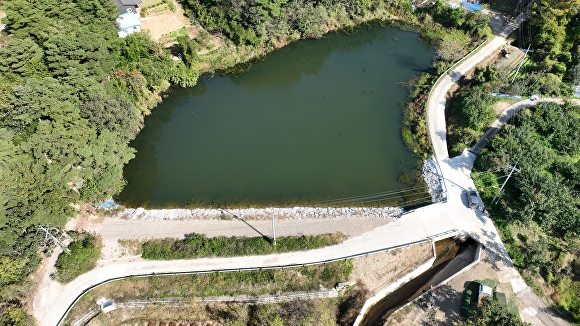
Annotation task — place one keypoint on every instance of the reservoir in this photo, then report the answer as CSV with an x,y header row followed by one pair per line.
x,y
316,121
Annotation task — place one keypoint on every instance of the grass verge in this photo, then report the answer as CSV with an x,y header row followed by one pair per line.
x,y
84,253
199,245
252,283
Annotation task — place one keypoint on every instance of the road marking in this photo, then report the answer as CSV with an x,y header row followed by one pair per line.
x,y
530,311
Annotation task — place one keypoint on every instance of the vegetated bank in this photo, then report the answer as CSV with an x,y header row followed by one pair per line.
x,y
538,214
249,283
72,98
85,249
199,245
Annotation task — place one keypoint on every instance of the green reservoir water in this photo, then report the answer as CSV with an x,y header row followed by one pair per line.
x,y
317,120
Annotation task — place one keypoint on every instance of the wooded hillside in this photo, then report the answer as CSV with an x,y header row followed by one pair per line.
x,y
73,94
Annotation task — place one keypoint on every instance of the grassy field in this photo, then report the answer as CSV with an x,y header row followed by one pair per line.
x,y
150,3
180,32
199,245
309,278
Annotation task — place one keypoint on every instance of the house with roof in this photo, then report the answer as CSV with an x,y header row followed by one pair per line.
x,y
128,21
126,6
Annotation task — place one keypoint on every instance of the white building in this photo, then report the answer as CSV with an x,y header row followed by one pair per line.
x,y
128,21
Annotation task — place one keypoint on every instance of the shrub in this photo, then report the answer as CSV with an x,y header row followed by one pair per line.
x,y
83,256
199,245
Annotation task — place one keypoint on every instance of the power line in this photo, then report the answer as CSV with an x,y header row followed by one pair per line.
x,y
48,234
506,180
386,194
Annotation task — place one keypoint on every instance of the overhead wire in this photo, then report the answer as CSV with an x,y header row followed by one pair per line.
x,y
355,199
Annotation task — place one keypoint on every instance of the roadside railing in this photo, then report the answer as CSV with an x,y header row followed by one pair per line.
x,y
427,110
225,270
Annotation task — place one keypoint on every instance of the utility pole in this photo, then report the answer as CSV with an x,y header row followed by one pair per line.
x,y
521,62
273,229
518,6
49,235
506,180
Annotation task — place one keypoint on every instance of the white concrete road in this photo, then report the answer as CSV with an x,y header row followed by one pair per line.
x,y
506,115
52,299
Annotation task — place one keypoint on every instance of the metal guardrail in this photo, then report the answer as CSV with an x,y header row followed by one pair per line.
x,y
225,270
427,107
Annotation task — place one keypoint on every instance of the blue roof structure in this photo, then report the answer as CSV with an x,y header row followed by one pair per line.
x,y
108,204
128,20
471,5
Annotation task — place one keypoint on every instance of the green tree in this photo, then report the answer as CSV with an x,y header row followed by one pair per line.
x,y
492,313
476,107
115,114
23,57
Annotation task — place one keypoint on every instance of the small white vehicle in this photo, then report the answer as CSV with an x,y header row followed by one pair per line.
x,y
484,291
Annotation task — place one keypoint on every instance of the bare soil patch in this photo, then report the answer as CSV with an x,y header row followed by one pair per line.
x,y
163,23
379,270
501,106
447,303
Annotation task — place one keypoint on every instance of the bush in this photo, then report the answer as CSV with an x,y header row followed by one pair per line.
x,y
83,257
199,245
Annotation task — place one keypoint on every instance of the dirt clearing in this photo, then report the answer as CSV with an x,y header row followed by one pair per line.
x,y
379,270
445,310
165,22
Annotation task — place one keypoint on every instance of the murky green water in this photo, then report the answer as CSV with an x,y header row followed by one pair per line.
x,y
317,120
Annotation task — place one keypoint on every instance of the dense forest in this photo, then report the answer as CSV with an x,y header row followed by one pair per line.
x,y
73,94
539,213
552,69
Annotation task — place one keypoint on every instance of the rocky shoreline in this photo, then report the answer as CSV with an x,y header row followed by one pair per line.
x,y
433,180
260,213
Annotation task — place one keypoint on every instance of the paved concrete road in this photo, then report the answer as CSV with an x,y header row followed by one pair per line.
x,y
52,299
506,115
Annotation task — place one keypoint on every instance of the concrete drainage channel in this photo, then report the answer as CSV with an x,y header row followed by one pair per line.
x,y
421,282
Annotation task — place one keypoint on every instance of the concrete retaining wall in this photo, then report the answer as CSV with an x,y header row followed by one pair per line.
x,y
475,261
393,286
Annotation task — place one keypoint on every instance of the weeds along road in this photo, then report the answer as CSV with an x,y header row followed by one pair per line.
x,y
507,114
424,224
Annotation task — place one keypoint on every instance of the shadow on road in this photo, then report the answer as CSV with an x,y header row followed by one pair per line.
x,y
267,238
